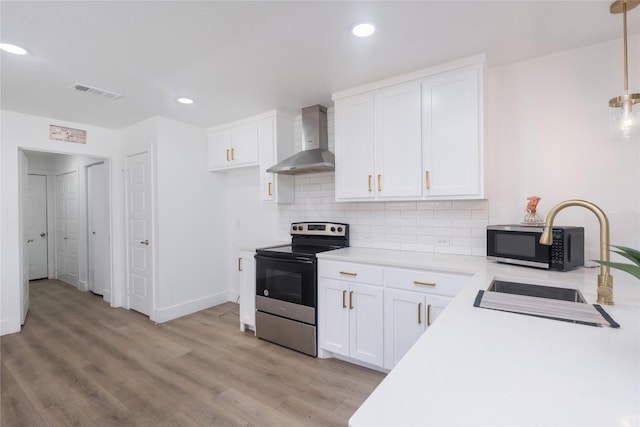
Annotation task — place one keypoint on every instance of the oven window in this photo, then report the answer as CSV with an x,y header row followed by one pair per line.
x,y
284,285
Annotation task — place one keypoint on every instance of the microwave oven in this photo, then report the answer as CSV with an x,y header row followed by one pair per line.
x,y
520,244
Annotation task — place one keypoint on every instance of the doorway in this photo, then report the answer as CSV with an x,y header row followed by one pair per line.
x,y
68,194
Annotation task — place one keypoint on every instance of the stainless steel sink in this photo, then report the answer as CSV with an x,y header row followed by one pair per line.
x,y
539,291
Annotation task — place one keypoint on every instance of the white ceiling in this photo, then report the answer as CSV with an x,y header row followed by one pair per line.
x,y
241,58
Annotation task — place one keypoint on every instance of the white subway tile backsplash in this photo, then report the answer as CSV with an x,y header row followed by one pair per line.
x,y
443,226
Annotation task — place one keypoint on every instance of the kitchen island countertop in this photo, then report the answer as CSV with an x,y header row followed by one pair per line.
x,y
476,366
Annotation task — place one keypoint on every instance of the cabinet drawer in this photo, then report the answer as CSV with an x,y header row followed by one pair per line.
x,y
350,272
425,281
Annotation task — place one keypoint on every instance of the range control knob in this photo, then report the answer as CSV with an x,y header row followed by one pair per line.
x,y
333,229
295,227
340,229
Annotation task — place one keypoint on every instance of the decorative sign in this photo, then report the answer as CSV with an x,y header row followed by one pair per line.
x,y
60,133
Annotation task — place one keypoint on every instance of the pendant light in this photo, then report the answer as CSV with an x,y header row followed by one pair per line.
x,y
626,122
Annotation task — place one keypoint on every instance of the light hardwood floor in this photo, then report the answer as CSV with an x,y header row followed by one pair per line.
x,y
79,362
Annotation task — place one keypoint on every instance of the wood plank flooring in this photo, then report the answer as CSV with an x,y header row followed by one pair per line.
x,y
79,362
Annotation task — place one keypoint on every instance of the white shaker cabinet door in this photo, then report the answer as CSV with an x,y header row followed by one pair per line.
x,y
354,147
398,145
244,144
452,133
366,323
404,322
333,316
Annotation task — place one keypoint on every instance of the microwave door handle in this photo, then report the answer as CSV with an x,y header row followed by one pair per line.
x,y
569,247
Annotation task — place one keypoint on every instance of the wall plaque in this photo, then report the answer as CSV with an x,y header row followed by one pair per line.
x,y
61,133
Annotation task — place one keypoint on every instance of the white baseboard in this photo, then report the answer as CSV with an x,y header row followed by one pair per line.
x,y
9,327
179,310
107,295
234,297
83,285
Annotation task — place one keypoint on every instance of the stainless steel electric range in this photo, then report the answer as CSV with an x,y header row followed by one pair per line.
x,y
287,284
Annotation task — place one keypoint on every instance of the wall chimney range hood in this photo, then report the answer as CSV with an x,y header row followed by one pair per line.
x,y
315,155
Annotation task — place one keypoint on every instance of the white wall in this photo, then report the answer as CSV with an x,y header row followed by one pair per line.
x,y
549,135
191,224
250,222
20,131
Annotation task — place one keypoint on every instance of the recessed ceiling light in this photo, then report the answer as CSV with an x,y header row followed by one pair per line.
x,y
363,29
11,48
185,100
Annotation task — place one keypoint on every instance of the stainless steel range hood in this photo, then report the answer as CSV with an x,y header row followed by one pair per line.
x,y
315,155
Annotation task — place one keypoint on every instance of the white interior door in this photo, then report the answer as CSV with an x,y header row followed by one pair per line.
x,y
98,225
23,167
139,264
66,228
35,216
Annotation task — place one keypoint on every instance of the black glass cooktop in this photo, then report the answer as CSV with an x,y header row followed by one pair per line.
x,y
307,250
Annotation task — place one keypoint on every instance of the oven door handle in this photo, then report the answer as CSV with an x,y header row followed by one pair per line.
x,y
296,260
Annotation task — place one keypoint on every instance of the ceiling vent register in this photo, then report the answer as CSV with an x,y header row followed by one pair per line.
x,y
94,91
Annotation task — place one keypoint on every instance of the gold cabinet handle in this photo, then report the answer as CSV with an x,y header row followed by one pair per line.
x,y
416,282
233,154
428,314
426,179
369,182
419,313
379,186
239,264
344,299
269,189
346,273
227,154
350,300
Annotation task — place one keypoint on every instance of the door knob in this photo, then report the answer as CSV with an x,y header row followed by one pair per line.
x,y
29,240
43,234
146,242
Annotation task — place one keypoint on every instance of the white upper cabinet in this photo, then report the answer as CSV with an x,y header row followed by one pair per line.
x,y
262,140
378,144
451,133
354,147
233,146
275,135
413,137
397,141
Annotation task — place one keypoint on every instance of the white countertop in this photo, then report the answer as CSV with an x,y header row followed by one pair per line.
x,y
475,366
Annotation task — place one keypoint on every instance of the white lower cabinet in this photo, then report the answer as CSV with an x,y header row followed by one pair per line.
x,y
406,316
374,314
247,281
350,315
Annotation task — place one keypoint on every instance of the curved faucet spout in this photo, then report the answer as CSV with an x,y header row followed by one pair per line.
x,y
605,281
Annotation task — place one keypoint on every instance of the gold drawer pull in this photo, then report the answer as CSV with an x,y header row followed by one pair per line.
x,y
428,314
233,156
346,273
350,300
419,313
426,179
227,154
239,264
369,182
379,186
344,299
269,189
415,282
